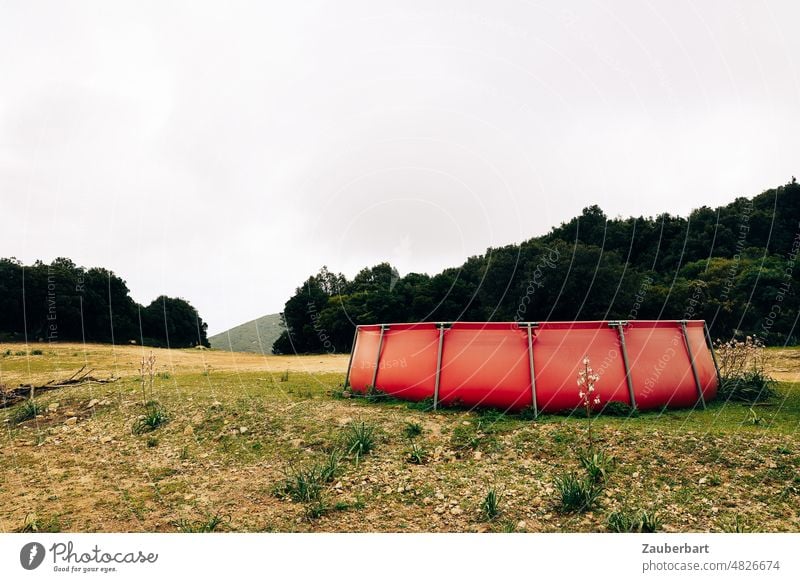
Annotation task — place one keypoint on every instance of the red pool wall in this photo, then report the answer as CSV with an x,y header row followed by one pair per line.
x,y
487,364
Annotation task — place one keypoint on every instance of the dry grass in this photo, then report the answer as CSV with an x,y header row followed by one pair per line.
x,y
234,433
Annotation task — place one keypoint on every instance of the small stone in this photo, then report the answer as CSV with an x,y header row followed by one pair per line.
x,y
477,456
188,431
521,524
69,413
338,485
440,496
702,480
52,407
242,429
106,439
427,500
71,420
456,510
439,509
92,403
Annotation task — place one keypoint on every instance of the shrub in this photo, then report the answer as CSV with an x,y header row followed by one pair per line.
x,y
36,352
284,377
742,368
576,494
155,416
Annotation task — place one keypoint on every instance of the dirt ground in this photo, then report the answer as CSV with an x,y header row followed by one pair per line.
x,y
237,425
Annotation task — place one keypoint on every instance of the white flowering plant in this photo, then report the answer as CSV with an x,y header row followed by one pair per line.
x,y
587,379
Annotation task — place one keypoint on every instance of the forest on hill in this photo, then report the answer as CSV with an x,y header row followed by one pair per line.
x,y
734,266
63,302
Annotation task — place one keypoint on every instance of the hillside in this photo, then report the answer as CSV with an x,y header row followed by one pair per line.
x,y
256,336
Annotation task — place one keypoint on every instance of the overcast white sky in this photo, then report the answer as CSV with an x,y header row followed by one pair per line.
x,y
223,152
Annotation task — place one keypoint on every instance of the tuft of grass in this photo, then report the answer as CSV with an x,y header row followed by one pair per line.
x,y
737,525
34,524
424,405
783,450
750,387
598,465
473,436
284,377
490,506
37,352
576,494
753,418
155,416
417,454
359,439
626,521
306,484
412,430
616,408
152,442
209,524
26,411
330,469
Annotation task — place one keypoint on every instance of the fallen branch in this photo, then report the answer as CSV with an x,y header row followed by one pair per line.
x,y
12,396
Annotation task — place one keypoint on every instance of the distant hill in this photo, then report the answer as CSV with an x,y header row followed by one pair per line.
x,y
254,336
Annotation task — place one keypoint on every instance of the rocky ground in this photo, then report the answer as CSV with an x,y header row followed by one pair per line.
x,y
232,434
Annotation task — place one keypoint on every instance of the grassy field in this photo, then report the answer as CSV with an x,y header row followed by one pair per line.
x,y
236,426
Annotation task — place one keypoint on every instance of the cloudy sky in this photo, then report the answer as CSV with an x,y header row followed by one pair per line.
x,y
223,152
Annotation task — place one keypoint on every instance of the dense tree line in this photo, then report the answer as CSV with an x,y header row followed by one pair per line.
x,y
734,266
64,302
